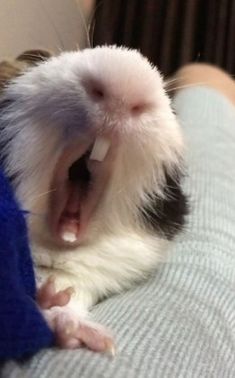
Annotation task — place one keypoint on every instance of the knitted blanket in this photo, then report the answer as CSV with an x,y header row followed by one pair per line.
x,y
23,330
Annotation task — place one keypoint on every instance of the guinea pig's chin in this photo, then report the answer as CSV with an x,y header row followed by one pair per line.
x,y
77,188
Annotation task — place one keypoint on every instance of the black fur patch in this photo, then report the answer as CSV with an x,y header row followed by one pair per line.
x,y
167,215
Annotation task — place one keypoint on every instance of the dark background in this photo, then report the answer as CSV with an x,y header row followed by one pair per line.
x,y
170,32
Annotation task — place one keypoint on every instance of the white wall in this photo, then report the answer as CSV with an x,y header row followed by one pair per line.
x,y
52,24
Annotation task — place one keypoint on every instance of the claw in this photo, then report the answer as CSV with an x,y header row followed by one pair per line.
x,y
111,349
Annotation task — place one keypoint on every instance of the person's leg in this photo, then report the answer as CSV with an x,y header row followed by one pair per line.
x,y
201,74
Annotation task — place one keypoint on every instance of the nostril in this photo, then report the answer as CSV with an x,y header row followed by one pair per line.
x,y
94,89
97,93
137,109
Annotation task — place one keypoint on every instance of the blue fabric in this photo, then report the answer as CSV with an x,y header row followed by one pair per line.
x,y
23,330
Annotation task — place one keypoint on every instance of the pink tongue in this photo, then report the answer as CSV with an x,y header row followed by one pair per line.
x,y
74,199
70,218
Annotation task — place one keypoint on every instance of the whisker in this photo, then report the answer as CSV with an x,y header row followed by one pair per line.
x,y
84,23
59,49
91,28
209,82
93,22
169,81
50,19
175,79
188,86
39,196
167,84
43,194
41,215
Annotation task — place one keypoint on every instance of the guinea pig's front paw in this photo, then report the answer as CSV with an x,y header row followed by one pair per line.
x,y
72,332
47,296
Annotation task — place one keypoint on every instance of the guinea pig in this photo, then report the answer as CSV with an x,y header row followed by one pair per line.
x,y
96,156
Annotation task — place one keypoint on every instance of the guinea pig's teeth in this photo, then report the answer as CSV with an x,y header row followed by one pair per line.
x,y
100,149
69,236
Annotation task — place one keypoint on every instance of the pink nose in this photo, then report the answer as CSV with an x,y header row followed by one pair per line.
x,y
99,94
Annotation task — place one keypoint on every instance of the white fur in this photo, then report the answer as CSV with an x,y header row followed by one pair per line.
x,y
51,106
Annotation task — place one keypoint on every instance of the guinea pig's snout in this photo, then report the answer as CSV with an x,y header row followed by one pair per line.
x,y
116,100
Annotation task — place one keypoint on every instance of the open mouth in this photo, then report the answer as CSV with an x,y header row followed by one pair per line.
x,y
79,182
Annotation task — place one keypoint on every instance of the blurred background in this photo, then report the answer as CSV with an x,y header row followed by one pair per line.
x,y
169,32
50,24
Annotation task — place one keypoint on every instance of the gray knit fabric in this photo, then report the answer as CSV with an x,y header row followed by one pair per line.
x,y
181,323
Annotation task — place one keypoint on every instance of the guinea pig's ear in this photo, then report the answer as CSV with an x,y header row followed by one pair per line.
x,y
34,57
9,70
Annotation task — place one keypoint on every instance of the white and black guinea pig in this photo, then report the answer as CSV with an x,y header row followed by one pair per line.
x,y
95,154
